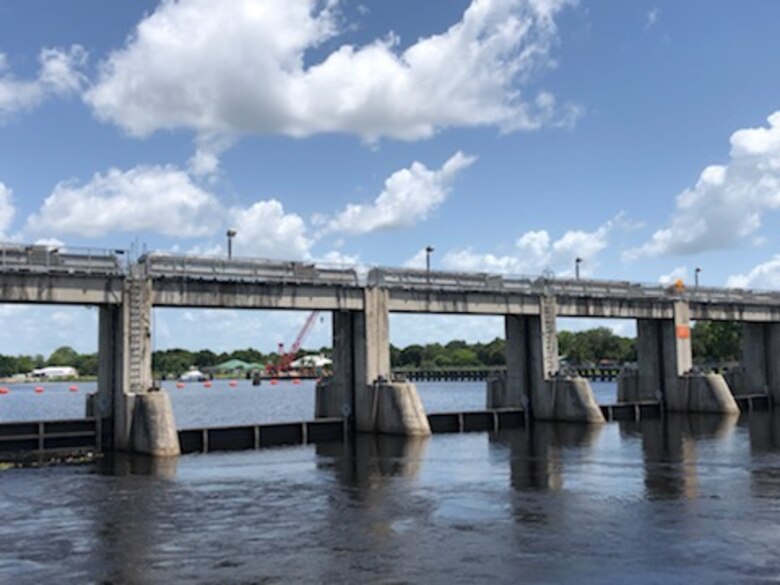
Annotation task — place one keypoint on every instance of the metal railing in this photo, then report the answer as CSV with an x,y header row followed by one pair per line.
x,y
44,258
413,279
41,258
163,265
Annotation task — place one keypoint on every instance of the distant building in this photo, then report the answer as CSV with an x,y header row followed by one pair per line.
x,y
55,372
311,361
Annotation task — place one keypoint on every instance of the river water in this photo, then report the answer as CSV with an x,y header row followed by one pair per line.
x,y
680,500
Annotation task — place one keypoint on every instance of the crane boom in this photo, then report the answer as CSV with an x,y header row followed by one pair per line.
x,y
287,358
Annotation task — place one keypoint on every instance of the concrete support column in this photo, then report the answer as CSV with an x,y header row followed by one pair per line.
x,y
761,359
515,391
531,358
681,346
754,359
335,397
371,338
138,308
109,402
663,353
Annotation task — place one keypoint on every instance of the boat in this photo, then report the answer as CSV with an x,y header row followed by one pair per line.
x,y
193,375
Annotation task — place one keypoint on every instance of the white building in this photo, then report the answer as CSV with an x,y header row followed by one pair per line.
x,y
311,361
55,372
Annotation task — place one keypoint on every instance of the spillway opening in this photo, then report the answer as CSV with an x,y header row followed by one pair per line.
x,y
448,357
48,361
226,367
597,349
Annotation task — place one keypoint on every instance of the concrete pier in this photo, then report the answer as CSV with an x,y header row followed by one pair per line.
x,y
531,357
663,353
702,393
760,360
567,399
398,410
153,429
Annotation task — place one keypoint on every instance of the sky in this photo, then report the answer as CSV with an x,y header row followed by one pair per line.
x,y
513,136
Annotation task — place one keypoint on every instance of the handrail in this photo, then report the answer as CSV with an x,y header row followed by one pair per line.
x,y
165,265
50,258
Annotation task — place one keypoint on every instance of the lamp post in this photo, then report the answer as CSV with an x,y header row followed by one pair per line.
x,y
696,277
231,233
577,262
428,250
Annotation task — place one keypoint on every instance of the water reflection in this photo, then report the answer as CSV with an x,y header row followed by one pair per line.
x,y
368,457
536,452
125,464
764,432
669,450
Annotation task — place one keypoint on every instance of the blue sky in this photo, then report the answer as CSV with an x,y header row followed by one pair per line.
x,y
512,135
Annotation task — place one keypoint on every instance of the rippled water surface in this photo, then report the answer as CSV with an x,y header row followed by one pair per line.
x,y
197,406
680,500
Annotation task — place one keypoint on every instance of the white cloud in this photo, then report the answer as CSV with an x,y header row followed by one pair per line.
x,y
159,199
763,276
264,230
408,197
58,75
536,251
651,18
727,203
241,67
7,209
678,273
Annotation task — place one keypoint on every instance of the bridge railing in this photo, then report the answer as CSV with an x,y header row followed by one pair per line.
x,y
45,258
411,278
465,281
164,265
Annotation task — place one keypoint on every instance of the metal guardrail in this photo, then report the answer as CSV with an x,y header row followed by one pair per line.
x,y
412,279
162,265
43,259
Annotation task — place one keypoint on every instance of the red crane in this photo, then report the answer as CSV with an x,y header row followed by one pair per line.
x,y
286,358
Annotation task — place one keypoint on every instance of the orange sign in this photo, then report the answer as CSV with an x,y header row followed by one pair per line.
x,y
683,332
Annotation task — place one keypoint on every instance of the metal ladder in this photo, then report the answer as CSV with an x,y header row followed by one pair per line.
x,y
549,333
138,328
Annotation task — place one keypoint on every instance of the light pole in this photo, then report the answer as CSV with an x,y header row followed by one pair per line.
x,y
231,233
577,262
696,277
428,250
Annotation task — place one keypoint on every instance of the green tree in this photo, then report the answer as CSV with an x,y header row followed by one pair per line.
x,y
716,341
63,356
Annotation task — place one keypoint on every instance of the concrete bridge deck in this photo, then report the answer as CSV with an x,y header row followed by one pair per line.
x,y
126,293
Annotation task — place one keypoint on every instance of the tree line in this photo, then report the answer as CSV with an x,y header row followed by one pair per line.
x,y
713,342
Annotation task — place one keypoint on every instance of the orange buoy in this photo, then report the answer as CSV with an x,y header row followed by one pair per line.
x,y
207,384
74,388
39,389
4,390
296,380
180,385
274,381
233,383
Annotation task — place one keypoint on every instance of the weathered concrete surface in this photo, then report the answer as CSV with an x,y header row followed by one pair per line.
x,y
330,399
498,395
664,352
153,431
59,288
567,399
191,292
531,357
371,356
398,410
741,382
630,387
705,393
